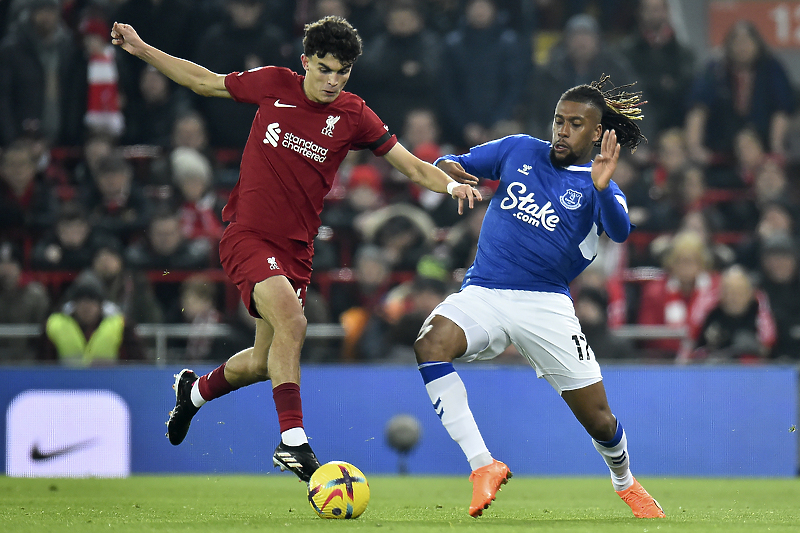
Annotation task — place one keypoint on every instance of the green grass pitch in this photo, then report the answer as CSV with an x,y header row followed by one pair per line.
x,y
203,504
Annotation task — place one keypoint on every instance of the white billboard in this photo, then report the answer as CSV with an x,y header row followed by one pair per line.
x,y
68,433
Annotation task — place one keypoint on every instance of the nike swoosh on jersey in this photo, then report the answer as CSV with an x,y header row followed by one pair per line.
x,y
38,455
279,104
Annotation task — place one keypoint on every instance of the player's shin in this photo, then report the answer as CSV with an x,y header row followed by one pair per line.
x,y
449,398
615,454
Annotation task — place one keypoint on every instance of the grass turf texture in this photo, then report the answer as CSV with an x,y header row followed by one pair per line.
x,y
418,504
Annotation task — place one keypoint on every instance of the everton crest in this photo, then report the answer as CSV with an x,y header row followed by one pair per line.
x,y
571,199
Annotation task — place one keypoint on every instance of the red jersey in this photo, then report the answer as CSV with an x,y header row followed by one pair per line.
x,y
293,152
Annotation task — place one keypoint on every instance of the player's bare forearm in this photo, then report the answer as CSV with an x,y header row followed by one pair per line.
x,y
430,177
199,79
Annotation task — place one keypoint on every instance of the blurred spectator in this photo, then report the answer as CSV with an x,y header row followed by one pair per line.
x,y
704,224
390,334
42,79
354,303
672,156
115,202
462,239
363,195
683,297
96,148
781,282
628,176
27,205
150,119
89,330
745,87
201,207
420,128
580,58
245,39
739,327
198,307
664,66
771,183
405,57
71,244
684,192
169,25
21,302
404,231
776,220
750,156
365,17
165,247
483,77
129,290
103,114
189,131
591,307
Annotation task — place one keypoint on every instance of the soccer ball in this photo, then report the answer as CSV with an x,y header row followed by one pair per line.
x,y
338,490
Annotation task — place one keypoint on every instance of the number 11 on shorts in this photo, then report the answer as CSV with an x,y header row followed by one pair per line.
x,y
582,346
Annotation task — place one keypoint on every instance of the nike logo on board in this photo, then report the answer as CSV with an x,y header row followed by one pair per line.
x,y
38,455
279,104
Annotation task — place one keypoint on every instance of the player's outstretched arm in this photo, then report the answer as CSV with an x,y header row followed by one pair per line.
x,y
199,79
430,177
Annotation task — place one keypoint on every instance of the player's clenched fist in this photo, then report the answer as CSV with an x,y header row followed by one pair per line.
x,y
124,36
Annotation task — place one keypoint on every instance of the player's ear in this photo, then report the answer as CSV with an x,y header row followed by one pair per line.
x,y
598,133
304,61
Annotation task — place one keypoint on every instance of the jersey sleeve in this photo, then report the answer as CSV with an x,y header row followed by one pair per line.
x,y
372,134
614,213
484,160
250,86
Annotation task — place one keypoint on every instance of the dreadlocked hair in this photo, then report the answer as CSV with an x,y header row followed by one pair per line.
x,y
620,108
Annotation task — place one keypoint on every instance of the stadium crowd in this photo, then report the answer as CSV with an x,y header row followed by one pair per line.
x,y
113,177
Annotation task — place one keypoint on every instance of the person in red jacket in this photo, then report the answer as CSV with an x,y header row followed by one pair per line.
x,y
684,296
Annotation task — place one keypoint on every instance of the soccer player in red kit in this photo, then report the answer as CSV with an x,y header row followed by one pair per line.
x,y
304,127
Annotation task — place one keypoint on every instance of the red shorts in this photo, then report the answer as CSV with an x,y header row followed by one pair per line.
x,y
249,257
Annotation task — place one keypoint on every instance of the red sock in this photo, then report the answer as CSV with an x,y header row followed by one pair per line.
x,y
213,385
288,405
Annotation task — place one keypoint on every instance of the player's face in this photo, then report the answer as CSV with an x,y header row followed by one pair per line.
x,y
325,78
576,127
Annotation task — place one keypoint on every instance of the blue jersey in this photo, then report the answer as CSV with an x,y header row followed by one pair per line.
x,y
542,226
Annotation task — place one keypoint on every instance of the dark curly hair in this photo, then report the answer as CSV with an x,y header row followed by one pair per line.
x,y
332,35
620,109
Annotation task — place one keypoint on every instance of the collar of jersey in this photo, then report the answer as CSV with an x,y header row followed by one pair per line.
x,y
586,167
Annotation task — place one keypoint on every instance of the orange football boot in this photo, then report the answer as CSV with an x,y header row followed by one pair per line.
x,y
641,503
486,481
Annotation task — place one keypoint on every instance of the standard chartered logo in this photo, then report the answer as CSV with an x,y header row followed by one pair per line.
x,y
527,210
273,134
294,143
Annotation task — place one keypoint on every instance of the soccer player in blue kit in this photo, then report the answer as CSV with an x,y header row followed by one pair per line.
x,y
540,231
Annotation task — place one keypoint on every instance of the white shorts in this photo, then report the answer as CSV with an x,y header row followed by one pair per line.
x,y
541,325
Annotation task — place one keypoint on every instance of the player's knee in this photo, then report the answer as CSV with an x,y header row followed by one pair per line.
x,y
430,346
295,326
602,427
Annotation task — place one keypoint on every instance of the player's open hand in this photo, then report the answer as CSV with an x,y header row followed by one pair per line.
x,y
605,163
465,192
457,172
124,36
